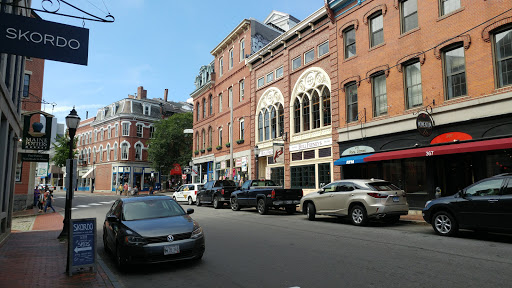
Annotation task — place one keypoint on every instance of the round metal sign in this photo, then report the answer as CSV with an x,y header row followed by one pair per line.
x,y
424,124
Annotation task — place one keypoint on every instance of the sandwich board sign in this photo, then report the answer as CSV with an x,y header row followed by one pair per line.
x,y
82,244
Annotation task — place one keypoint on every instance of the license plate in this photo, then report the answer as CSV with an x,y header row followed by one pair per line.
x,y
396,198
288,202
171,249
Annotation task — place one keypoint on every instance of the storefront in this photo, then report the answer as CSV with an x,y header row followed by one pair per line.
x,y
451,157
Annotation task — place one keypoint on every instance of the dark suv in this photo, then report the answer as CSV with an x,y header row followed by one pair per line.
x,y
484,205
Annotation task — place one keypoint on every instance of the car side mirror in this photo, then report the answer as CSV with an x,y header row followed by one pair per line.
x,y
190,211
461,194
321,191
111,218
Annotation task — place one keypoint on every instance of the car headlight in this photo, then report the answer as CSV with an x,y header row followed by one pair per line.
x,y
428,202
134,240
197,231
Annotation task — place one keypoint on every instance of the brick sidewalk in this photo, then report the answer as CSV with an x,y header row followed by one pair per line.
x,y
37,259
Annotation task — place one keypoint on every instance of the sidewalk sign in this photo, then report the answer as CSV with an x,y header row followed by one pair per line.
x,y
82,244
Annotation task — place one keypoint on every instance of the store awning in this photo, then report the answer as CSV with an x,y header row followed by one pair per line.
x,y
354,159
486,145
88,174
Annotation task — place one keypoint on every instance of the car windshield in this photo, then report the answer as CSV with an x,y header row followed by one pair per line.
x,y
383,186
148,209
263,183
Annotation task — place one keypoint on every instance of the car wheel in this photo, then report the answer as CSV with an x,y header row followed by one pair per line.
x,y
190,202
216,203
120,261
311,211
234,204
358,215
105,245
444,224
290,209
262,207
198,201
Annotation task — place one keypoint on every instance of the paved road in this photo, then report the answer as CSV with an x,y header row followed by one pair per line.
x,y
245,249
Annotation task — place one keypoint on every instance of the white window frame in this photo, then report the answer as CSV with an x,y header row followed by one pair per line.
x,y
220,102
282,72
263,82
220,136
242,49
221,63
123,126
231,58
127,145
115,151
294,60
242,129
117,130
321,45
230,96
271,74
309,52
139,156
141,132
242,89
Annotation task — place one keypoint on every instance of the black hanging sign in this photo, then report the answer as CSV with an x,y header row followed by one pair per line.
x,y
38,38
424,123
34,137
35,157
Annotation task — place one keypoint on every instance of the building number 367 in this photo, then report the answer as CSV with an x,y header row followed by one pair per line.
x,y
430,153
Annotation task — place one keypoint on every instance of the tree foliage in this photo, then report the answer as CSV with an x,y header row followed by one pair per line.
x,y
169,144
62,150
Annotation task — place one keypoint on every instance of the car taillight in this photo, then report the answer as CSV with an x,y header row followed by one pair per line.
x,y
222,191
378,195
273,194
195,192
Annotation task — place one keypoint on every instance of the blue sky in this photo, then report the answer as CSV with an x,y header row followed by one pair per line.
x,y
154,43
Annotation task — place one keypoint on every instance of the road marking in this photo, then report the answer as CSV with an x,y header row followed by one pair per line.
x,y
83,206
74,208
109,202
95,204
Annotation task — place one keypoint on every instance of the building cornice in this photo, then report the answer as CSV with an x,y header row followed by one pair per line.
x,y
230,38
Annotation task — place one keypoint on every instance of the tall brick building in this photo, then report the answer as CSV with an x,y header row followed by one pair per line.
x,y
112,146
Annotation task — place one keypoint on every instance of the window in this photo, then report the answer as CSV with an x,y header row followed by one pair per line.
x,y
89,154
151,131
108,152
109,132
380,106
448,6
316,110
305,113
296,63
260,127
126,129
277,175
326,108
220,102
211,104
279,72
503,52
242,50
349,39
261,82
273,123
115,152
203,137
101,153
296,115
267,125
26,85
242,90
324,174
242,129
204,108
408,15
351,98
455,73
101,134
413,94
198,111
230,58
210,136
270,77
94,154
230,95
124,151
138,151
117,130
323,49
303,176
309,56
139,130
376,30
220,136
485,188
147,109
197,140
280,119
221,63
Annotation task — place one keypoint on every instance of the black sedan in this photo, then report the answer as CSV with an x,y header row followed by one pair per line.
x,y
151,229
484,205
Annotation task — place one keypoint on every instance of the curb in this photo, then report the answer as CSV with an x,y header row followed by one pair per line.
x,y
110,275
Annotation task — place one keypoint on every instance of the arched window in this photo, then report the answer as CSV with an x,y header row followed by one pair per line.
x,y
296,115
280,120
204,108
138,151
305,112
316,109
100,151
326,105
197,141
260,127
94,154
115,151
267,122
273,122
197,111
220,136
124,151
211,104
108,151
89,155
210,137
204,139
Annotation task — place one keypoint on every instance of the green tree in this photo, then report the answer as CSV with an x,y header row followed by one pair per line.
x,y
169,144
62,150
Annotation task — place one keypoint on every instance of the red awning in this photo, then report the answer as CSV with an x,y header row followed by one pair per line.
x,y
496,144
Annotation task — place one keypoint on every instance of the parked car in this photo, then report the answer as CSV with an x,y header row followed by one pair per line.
x,y
187,192
360,199
265,194
484,205
216,192
151,229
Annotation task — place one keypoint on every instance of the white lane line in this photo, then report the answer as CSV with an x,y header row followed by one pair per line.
x,y
74,208
60,197
109,202
94,204
83,206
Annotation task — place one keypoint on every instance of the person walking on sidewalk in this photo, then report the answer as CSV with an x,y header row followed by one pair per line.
x,y
49,200
125,189
40,202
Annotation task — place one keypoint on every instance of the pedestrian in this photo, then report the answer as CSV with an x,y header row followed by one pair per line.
x,y
134,191
40,202
125,189
150,190
49,200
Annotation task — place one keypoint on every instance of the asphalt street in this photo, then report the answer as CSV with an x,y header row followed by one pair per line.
x,y
245,249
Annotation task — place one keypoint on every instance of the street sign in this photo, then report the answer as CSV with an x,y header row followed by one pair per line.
x,y
82,244
187,170
35,157
195,171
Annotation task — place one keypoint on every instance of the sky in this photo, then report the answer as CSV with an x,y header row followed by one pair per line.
x,y
156,44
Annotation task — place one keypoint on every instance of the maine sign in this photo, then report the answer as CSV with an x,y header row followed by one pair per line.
x,y
38,38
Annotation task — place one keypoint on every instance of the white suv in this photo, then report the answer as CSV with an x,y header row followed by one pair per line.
x,y
359,199
187,192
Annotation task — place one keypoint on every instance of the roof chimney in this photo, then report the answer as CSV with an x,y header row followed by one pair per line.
x,y
165,94
139,92
86,114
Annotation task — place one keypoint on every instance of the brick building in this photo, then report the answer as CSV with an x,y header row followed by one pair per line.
x,y
223,116
112,146
425,95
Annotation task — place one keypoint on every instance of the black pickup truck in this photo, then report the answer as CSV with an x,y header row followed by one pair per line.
x,y
216,192
264,194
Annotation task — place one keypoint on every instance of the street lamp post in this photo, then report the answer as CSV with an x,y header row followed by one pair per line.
x,y
72,121
256,155
93,179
